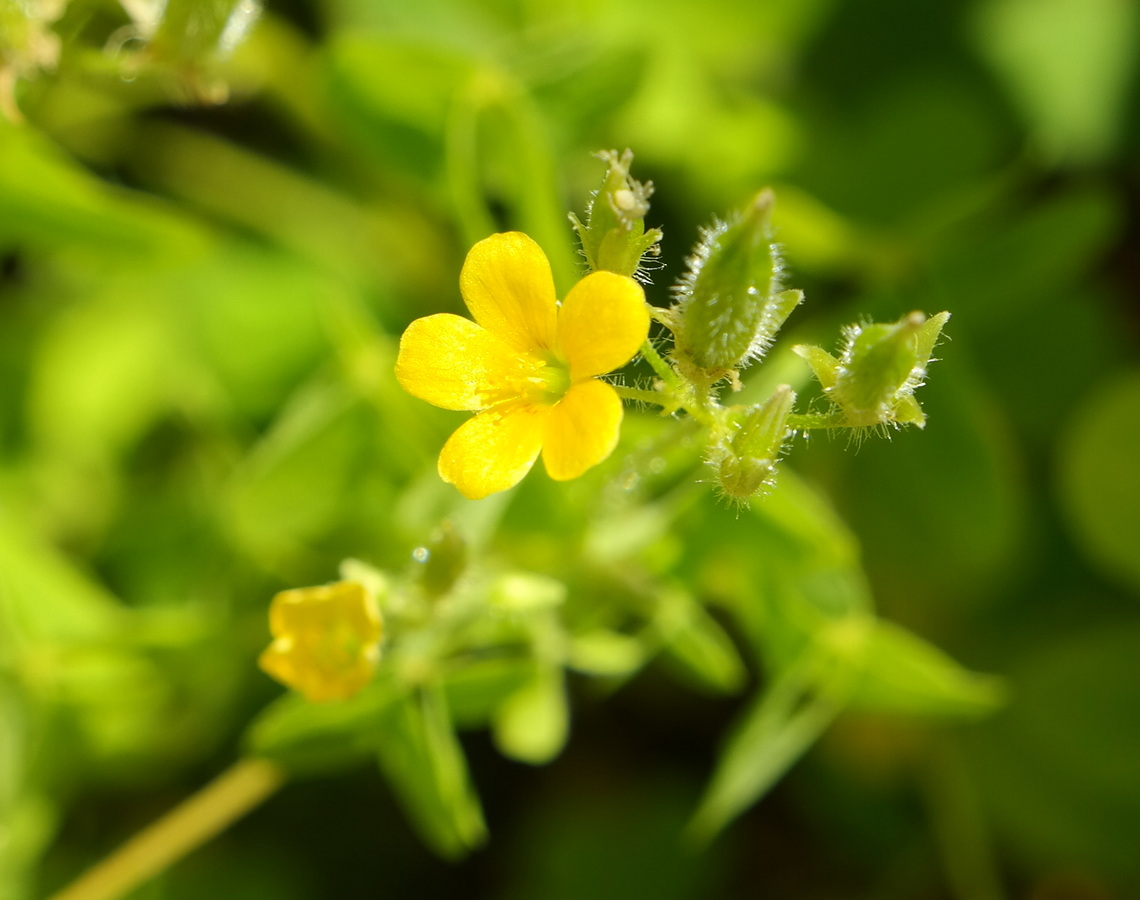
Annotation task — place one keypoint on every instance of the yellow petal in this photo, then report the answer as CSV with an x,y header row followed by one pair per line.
x,y
295,667
581,429
507,285
493,450
451,362
602,324
309,613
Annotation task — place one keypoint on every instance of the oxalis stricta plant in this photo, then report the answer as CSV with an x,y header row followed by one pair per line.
x,y
530,367
390,665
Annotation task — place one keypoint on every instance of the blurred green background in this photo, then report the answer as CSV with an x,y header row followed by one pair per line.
x,y
199,302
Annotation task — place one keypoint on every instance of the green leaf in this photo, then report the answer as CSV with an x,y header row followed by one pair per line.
x,y
45,599
775,730
1068,64
903,674
476,689
695,640
1100,478
397,96
291,488
317,737
602,652
48,200
104,373
533,723
424,763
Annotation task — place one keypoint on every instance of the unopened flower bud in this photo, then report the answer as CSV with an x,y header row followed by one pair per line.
x,y
613,237
730,301
873,380
441,561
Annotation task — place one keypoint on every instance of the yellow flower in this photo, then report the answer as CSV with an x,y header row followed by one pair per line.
x,y
527,364
326,640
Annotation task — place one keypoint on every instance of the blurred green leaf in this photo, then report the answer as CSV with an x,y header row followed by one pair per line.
x,y
45,600
997,271
533,723
1059,770
1100,479
314,738
105,372
695,640
50,201
794,569
601,652
424,764
292,487
477,688
254,318
904,675
776,728
968,466
1068,64
401,117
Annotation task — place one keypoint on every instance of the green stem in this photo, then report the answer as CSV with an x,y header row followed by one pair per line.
x,y
657,363
811,421
659,398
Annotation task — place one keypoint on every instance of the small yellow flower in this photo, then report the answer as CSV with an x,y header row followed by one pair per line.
x,y
326,640
526,364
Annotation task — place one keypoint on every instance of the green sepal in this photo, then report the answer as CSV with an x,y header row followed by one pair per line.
x,y
824,366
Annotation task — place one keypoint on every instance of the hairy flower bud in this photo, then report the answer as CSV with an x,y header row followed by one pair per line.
x,y
730,303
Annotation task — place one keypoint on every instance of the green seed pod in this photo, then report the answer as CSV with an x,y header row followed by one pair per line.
x,y
748,463
613,237
730,303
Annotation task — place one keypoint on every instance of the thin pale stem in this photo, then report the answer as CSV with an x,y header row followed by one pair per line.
x,y
195,821
809,422
657,363
658,398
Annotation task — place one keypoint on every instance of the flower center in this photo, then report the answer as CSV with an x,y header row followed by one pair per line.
x,y
550,382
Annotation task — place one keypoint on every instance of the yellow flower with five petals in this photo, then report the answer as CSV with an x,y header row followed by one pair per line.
x,y
326,640
527,366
